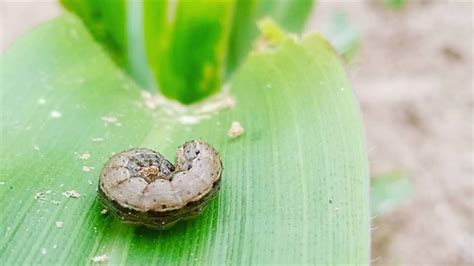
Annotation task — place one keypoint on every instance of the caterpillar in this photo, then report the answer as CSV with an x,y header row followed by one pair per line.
x,y
139,186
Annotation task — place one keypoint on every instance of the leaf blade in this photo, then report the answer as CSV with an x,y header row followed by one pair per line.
x,y
279,177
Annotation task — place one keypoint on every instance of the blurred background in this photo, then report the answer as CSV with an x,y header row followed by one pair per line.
x,y
411,65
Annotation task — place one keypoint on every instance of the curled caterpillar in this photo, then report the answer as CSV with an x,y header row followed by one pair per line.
x,y
141,187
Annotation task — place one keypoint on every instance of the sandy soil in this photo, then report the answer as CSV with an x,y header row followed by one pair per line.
x,y
413,77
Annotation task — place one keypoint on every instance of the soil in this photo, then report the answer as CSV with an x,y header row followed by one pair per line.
x,y
413,77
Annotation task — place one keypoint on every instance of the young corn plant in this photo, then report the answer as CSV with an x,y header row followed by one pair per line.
x,y
112,75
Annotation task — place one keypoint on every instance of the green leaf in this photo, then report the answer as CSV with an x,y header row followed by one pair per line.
x,y
295,185
107,21
388,191
291,15
343,36
394,4
184,48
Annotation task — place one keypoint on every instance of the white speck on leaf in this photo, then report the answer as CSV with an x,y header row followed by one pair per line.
x,y
97,139
40,196
55,114
44,251
109,119
2,183
36,148
235,130
85,156
104,211
189,120
71,194
87,169
59,224
41,101
100,258
189,114
90,182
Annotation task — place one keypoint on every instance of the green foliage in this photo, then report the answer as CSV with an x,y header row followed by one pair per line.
x,y
388,191
394,4
187,49
107,21
295,185
291,15
343,36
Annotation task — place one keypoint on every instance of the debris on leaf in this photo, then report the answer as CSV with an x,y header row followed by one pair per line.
x,y
87,168
100,258
189,114
235,130
189,120
40,196
71,194
41,101
111,120
59,224
85,156
55,114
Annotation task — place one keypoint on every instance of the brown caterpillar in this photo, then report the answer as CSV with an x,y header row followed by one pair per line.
x,y
141,187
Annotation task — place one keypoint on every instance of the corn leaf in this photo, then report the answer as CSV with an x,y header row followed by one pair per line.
x,y
186,49
388,191
295,184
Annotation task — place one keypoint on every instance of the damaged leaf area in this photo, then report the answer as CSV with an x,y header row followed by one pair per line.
x,y
294,188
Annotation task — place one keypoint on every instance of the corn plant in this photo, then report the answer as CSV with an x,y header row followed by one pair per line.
x,y
112,75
